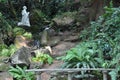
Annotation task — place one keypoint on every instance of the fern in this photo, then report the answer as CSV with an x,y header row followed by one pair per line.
x,y
100,44
20,74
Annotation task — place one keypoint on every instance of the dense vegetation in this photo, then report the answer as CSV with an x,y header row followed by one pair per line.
x,y
99,46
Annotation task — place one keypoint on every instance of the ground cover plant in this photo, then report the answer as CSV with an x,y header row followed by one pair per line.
x,y
99,47
100,44
19,73
42,58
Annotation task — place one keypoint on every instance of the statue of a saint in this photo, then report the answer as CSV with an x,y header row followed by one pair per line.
x,y
25,18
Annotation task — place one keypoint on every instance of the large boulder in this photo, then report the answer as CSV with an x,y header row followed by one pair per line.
x,y
44,37
64,20
21,57
45,50
61,48
49,38
68,20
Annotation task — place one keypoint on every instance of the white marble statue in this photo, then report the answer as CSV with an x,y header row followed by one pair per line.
x,y
25,18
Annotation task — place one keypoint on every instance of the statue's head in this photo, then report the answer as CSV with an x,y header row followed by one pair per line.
x,y
24,7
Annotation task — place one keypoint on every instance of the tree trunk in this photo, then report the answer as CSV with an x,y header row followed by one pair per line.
x,y
96,9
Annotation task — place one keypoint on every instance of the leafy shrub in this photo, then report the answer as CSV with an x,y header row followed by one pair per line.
x,y
28,35
18,31
20,73
42,57
6,28
2,46
7,51
82,56
105,34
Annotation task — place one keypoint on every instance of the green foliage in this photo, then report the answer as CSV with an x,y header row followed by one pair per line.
x,y
28,35
113,74
2,46
40,14
0,14
20,73
5,25
53,7
50,8
18,31
7,51
82,56
42,57
21,31
5,28
3,0
105,52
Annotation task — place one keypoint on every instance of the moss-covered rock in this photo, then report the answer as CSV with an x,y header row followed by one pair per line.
x,y
4,66
65,19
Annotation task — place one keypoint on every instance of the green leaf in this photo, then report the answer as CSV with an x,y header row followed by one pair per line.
x,y
5,52
50,60
113,74
0,14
